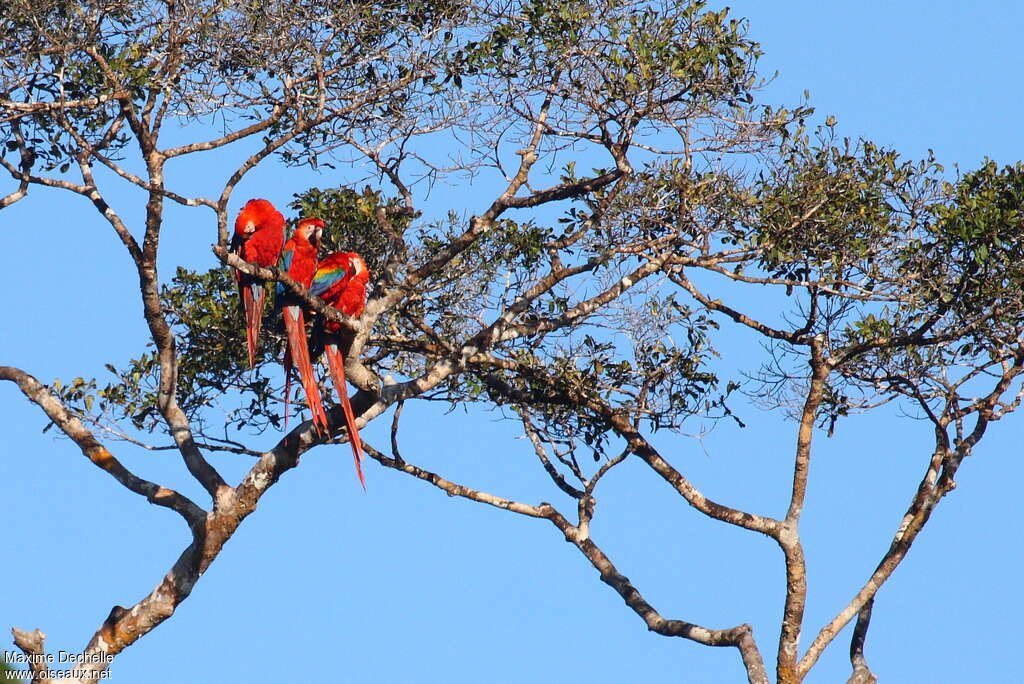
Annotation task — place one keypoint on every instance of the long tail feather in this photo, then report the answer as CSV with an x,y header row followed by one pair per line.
x,y
249,308
257,322
295,324
287,363
336,364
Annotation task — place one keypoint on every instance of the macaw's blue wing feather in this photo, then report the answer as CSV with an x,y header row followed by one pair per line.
x,y
325,278
285,264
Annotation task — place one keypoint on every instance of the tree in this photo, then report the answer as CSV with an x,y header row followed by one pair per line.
x,y
584,304
7,673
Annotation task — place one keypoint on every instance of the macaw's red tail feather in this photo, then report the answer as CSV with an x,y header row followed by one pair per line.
x,y
336,363
295,324
287,363
261,301
251,331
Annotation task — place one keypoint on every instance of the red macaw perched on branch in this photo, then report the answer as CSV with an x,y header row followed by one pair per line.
x,y
259,235
299,260
340,281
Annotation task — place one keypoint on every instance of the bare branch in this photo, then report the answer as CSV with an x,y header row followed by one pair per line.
x,y
123,627
453,489
258,127
638,444
677,276
32,644
861,673
27,158
913,521
538,447
24,108
96,452
740,637
395,453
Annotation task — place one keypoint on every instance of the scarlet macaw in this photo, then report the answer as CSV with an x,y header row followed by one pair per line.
x,y
299,260
259,234
340,280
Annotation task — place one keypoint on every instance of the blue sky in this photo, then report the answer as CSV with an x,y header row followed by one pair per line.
x,y
403,584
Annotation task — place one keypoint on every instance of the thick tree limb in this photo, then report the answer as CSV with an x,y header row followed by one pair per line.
x,y
123,627
163,338
789,537
96,452
39,107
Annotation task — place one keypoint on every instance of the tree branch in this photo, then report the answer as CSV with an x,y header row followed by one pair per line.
x,y
453,489
27,158
538,448
32,644
789,537
276,274
123,627
861,673
642,448
680,279
741,636
24,108
96,452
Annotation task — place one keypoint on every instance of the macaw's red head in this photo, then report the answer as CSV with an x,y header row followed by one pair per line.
x,y
352,299
312,229
257,214
259,233
357,267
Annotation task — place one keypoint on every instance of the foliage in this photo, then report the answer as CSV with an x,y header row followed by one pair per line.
x,y
9,674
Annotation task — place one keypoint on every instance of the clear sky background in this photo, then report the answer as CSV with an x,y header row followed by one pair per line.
x,y
403,584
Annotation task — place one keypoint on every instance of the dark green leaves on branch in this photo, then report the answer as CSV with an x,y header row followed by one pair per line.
x,y
364,221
